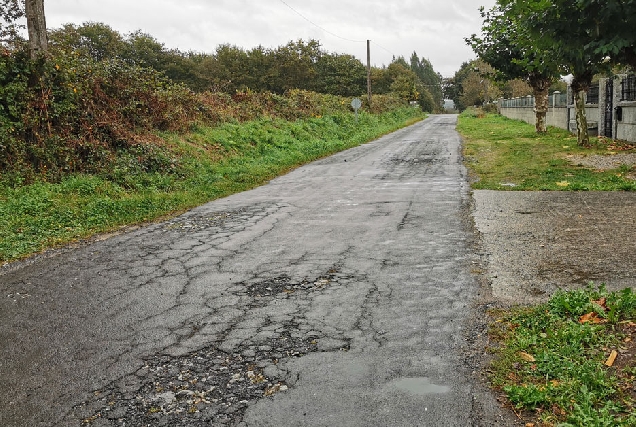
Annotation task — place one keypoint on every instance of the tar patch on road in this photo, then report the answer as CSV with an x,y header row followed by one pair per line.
x,y
209,386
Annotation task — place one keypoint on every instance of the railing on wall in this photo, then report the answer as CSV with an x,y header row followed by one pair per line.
x,y
523,101
628,90
555,100
558,100
593,94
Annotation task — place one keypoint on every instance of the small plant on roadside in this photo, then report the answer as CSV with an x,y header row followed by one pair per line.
x,y
570,361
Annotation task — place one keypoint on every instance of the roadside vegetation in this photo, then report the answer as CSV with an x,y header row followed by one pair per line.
x,y
570,361
505,154
103,130
145,181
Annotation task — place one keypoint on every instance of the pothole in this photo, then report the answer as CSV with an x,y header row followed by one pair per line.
x,y
211,386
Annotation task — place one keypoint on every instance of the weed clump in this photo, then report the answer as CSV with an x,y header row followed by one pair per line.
x,y
570,361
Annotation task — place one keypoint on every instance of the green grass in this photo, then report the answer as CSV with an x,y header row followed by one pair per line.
x,y
551,365
208,163
505,154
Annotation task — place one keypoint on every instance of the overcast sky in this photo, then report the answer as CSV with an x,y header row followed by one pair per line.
x,y
435,29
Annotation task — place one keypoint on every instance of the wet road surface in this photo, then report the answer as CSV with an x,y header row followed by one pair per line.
x,y
338,294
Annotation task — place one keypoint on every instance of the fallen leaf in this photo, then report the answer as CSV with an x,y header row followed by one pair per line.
x,y
563,183
591,318
586,317
527,357
611,358
602,302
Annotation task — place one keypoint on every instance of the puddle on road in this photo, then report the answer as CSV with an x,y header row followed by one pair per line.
x,y
419,386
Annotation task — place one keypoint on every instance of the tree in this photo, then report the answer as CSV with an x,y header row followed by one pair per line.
x,y
431,80
426,101
453,87
380,80
12,10
508,46
516,88
564,28
36,26
341,75
471,85
478,87
92,40
404,82
295,65
613,35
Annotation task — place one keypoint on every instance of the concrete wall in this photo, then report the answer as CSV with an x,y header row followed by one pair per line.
x,y
557,116
626,128
564,117
592,112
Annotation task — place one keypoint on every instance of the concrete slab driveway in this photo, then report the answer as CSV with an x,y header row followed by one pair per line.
x,y
338,294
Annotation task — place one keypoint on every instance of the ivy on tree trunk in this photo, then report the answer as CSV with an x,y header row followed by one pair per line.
x,y
36,26
580,85
540,86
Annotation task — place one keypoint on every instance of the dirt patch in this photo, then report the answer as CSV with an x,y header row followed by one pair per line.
x,y
534,243
603,162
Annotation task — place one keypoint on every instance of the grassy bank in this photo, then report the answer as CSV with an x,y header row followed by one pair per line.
x,y
180,173
505,154
570,361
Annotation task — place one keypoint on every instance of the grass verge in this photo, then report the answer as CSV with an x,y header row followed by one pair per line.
x,y
505,154
193,169
570,361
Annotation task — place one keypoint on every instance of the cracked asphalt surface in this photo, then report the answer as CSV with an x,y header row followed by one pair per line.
x,y
339,294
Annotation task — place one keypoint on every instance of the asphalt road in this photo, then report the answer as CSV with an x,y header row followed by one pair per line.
x,y
339,294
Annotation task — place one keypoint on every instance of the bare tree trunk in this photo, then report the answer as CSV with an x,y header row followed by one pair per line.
x,y
540,87
580,84
582,135
36,25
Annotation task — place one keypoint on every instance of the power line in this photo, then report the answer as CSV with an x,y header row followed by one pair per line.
x,y
318,26
382,47
334,34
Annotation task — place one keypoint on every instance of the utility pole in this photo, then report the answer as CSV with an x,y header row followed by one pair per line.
x,y
369,71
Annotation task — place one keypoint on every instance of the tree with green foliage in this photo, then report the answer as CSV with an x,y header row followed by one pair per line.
x,y
472,85
380,80
478,87
295,65
90,40
404,82
426,101
454,85
507,45
564,28
612,29
11,11
430,79
342,75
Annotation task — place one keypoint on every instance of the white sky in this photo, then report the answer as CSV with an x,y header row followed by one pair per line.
x,y
435,29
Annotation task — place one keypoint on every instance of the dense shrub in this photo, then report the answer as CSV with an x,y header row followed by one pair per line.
x,y
74,114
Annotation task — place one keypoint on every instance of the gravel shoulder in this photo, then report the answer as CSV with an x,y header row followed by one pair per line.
x,y
534,243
